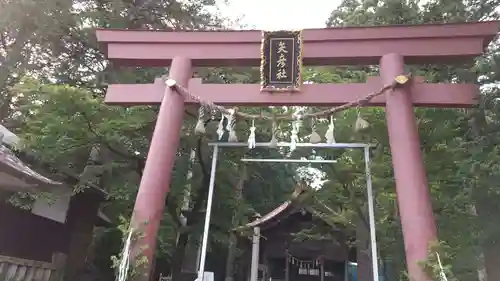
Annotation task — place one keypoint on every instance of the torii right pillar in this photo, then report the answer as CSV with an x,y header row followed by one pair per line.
x,y
413,195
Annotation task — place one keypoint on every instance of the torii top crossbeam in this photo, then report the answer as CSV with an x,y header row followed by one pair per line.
x,y
419,44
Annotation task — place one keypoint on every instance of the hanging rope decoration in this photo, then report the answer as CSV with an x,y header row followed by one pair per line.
x,y
200,124
361,124
274,138
398,81
315,137
251,136
294,137
231,124
304,263
330,133
298,122
442,273
220,128
232,114
124,266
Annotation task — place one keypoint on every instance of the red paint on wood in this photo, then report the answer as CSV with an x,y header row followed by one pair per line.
x,y
155,181
413,194
419,44
423,94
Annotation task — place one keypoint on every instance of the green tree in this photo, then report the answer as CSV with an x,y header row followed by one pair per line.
x,y
444,136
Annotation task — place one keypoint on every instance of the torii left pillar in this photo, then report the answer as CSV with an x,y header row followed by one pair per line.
x,y
155,181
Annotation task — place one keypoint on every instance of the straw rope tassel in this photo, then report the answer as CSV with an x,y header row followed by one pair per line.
x,y
123,268
200,124
251,136
330,133
294,138
231,124
361,124
442,274
220,128
298,124
274,139
315,137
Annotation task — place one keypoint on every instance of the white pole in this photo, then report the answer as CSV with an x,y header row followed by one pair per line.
x,y
287,144
263,160
208,213
198,257
346,269
254,269
371,214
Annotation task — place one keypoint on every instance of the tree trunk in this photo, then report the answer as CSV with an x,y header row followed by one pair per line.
x,y
191,258
191,251
481,270
233,241
487,211
81,224
492,262
192,218
178,257
363,249
486,207
231,256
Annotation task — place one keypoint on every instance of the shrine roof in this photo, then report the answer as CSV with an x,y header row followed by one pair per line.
x,y
297,197
12,168
419,44
289,207
16,173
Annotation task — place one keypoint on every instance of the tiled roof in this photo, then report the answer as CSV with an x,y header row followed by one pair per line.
x,y
10,162
297,196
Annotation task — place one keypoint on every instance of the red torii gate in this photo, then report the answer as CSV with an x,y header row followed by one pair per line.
x,y
389,46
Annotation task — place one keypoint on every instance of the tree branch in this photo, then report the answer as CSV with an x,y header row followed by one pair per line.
x,y
140,161
172,208
193,216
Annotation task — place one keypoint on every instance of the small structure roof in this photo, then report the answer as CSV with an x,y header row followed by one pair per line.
x,y
289,207
19,160
283,210
14,173
13,166
8,137
332,246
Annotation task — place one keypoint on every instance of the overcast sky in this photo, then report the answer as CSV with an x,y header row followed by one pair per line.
x,y
280,14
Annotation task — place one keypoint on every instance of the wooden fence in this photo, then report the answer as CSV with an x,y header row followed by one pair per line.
x,y
15,269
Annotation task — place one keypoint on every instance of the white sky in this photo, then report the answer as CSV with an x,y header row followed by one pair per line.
x,y
279,14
